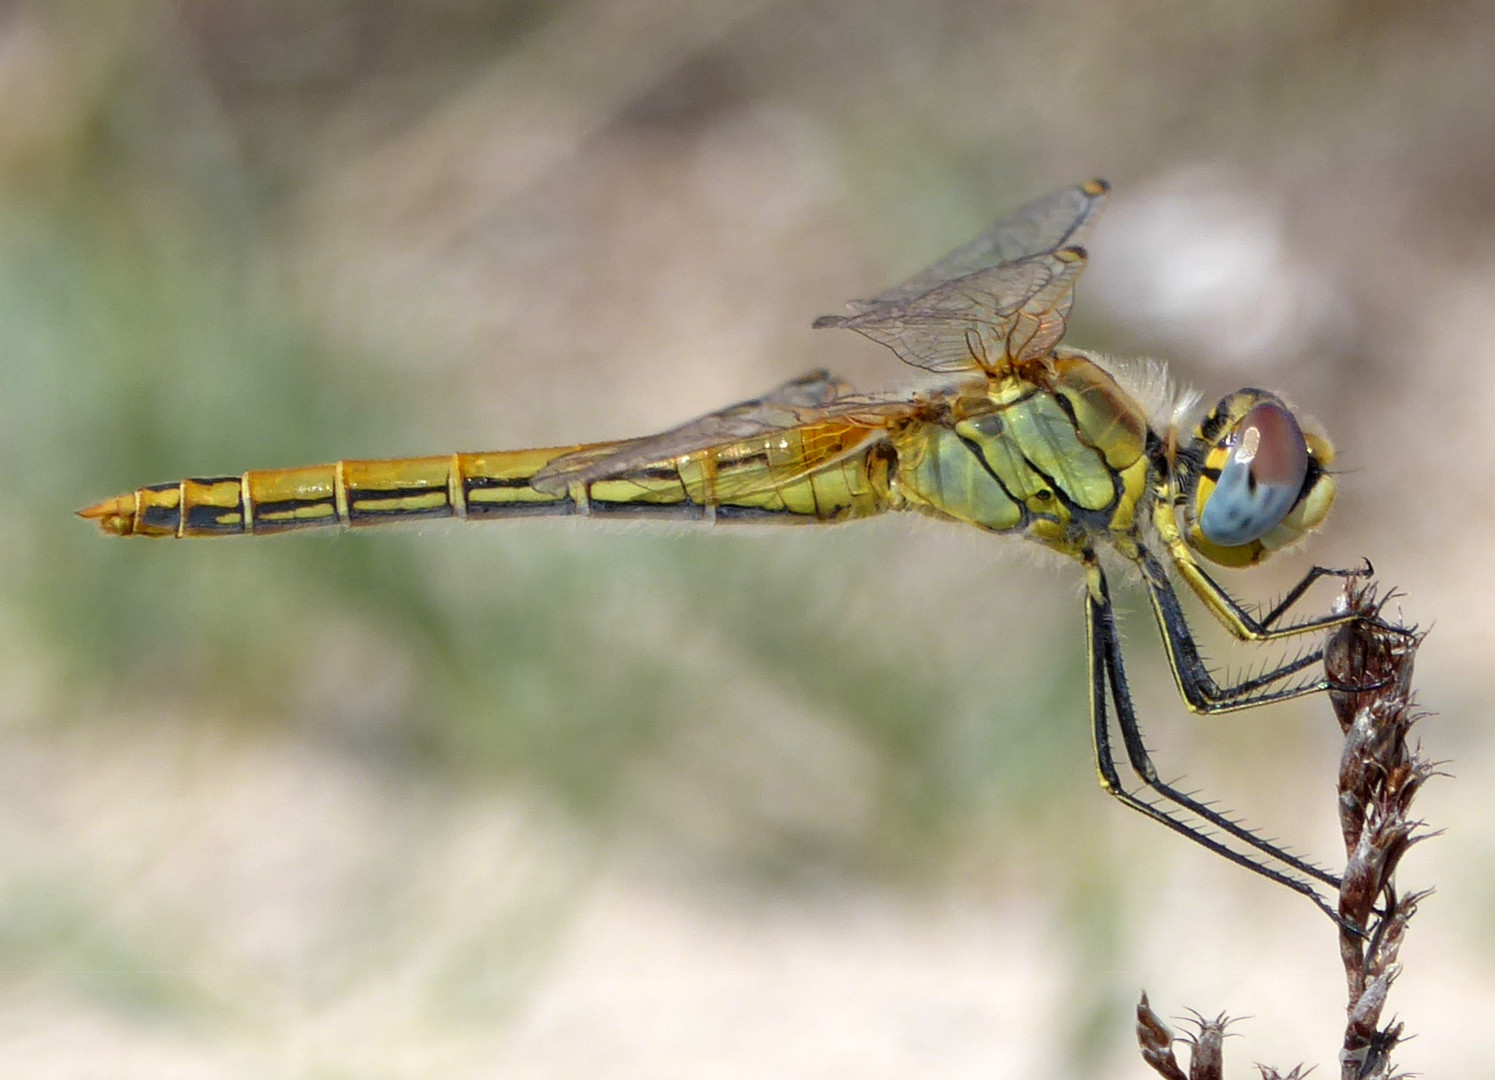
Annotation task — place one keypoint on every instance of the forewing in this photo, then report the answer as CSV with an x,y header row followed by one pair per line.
x,y
1002,297
815,395
981,322
1059,220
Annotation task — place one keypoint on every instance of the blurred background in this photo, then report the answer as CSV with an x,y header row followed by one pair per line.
x,y
546,800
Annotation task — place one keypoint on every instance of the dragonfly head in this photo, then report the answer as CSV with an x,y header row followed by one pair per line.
x,y
1262,483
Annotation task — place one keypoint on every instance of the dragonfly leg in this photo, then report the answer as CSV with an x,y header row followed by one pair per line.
x,y
1198,686
1304,584
1108,678
1245,624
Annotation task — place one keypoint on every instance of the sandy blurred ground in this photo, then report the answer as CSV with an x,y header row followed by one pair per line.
x,y
547,802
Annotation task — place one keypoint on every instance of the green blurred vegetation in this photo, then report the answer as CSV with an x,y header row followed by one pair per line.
x,y
151,329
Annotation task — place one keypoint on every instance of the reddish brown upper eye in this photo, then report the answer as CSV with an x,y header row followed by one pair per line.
x,y
1262,478
1281,454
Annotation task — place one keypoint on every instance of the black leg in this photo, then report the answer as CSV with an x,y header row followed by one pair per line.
x,y
1200,690
1107,673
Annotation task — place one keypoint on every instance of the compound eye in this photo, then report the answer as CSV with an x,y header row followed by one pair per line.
x,y
1262,479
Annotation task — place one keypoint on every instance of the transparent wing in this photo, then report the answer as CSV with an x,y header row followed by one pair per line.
x,y
1058,220
1002,297
981,322
805,400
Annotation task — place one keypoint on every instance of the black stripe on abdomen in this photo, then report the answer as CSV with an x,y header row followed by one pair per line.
x,y
162,516
367,506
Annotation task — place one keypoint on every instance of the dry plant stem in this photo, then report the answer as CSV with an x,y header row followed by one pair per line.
x,y
1156,1040
1380,773
1206,1062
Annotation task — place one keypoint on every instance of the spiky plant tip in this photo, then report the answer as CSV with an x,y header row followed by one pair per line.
x,y
1156,1039
1369,662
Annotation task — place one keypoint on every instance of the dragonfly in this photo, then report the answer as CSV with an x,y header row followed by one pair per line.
x,y
1015,433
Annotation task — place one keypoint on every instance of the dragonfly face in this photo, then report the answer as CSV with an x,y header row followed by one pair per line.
x,y
1026,437
1255,481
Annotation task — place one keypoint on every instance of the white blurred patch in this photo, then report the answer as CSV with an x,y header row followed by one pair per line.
x,y
1212,265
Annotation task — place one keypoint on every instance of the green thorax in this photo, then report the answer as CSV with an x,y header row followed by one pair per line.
x,y
1056,451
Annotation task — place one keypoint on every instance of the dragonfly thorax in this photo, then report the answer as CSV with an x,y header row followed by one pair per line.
x,y
1056,451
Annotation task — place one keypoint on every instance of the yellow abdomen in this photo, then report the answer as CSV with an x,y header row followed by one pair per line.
x,y
814,473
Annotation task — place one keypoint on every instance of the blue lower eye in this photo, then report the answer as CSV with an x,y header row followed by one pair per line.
x,y
1262,479
1238,512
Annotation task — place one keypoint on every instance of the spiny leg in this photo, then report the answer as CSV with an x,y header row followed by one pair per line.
x,y
1142,765
1242,623
1304,584
1198,686
1106,670
1200,690
1263,629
